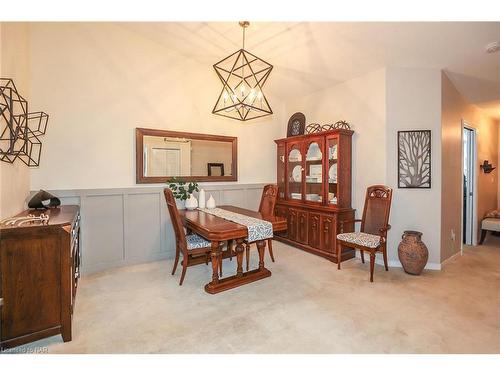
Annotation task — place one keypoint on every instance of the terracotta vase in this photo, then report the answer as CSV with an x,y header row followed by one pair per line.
x,y
412,252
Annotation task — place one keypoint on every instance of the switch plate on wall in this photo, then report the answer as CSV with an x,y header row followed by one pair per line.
x,y
453,235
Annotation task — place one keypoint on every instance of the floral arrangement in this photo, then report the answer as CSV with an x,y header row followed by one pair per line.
x,y
180,190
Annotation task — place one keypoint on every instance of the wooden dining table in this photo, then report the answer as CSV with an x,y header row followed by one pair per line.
x,y
217,230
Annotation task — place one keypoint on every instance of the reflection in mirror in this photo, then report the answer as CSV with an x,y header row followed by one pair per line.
x,y
195,157
215,169
165,156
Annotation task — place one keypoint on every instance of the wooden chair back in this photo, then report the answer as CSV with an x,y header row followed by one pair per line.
x,y
180,236
268,200
377,208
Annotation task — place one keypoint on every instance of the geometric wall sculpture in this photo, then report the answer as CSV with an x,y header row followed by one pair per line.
x,y
19,129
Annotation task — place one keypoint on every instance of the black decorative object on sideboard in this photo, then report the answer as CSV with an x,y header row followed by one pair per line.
x,y
39,272
19,129
37,201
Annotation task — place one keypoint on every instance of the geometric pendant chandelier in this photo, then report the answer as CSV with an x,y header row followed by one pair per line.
x,y
19,129
243,76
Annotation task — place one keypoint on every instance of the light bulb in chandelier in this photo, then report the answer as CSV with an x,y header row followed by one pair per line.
x,y
251,95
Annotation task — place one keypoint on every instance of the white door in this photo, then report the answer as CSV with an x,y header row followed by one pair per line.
x,y
163,157
468,184
165,162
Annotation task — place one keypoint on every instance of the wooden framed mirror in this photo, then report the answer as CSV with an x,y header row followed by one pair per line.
x,y
163,154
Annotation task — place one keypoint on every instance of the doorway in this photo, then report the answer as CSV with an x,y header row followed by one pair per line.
x,y
469,183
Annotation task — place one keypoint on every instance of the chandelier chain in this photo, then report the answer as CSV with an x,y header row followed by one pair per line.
x,y
244,37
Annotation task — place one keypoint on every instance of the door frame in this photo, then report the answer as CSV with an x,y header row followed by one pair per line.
x,y
467,125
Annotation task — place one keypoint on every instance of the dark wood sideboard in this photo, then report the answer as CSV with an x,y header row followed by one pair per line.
x,y
40,267
314,190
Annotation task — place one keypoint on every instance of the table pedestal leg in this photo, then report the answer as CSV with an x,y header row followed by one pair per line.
x,y
261,246
241,278
239,256
215,262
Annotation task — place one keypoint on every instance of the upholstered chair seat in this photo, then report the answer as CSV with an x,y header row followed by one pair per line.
x,y
361,239
196,242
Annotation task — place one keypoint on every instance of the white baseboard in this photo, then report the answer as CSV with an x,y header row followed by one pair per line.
x,y
397,263
447,260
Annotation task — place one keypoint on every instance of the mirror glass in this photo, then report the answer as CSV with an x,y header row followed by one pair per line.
x,y
191,157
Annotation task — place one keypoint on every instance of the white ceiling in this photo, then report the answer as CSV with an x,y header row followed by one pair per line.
x,y
309,56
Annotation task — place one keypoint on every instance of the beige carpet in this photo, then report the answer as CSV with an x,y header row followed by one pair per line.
x,y
307,306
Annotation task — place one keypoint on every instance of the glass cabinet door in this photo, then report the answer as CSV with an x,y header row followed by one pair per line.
x,y
294,172
333,183
314,171
280,178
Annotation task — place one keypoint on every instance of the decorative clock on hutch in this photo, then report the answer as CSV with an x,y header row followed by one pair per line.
x,y
296,125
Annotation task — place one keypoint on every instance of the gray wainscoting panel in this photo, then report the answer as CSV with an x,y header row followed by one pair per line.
x,y
102,230
234,197
142,223
71,200
253,199
125,226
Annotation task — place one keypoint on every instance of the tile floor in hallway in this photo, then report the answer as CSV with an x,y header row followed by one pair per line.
x,y
307,306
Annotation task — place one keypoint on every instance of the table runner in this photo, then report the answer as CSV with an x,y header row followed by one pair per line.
x,y
257,229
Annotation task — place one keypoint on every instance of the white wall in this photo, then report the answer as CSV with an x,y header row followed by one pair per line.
x,y
14,63
377,105
99,81
414,103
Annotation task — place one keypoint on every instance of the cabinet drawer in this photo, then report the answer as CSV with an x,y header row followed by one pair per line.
x,y
314,235
302,227
292,224
328,233
297,225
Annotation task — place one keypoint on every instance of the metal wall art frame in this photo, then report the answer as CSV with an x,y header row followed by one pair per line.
x,y
414,159
19,129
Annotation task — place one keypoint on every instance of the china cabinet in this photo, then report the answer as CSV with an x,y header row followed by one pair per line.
x,y
314,190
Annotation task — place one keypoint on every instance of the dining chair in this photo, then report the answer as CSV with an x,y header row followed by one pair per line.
x,y
372,236
266,208
192,246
